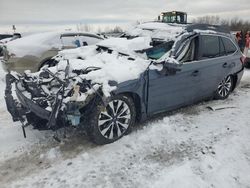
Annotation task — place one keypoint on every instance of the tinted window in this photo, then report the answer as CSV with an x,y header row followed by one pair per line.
x,y
222,48
210,46
229,46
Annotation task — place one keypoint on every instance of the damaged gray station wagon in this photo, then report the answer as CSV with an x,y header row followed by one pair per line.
x,y
107,87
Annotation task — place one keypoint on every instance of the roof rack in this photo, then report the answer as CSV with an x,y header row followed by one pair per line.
x,y
216,28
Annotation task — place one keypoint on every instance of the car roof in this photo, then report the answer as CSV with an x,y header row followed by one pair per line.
x,y
67,34
169,31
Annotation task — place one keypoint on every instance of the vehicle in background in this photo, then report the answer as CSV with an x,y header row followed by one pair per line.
x,y
107,87
3,36
34,51
8,38
11,38
173,17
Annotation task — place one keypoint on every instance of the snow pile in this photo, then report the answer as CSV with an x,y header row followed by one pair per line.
x,y
52,154
2,76
157,30
193,148
34,44
126,46
113,67
6,40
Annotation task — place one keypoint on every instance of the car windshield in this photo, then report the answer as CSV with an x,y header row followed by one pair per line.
x,y
157,51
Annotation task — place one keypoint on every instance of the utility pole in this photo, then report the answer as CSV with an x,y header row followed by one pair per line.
x,y
14,28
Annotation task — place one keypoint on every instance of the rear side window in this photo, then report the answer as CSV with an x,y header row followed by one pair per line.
x,y
229,46
210,46
222,48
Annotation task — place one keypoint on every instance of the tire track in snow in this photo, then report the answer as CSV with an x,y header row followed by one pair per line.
x,y
165,154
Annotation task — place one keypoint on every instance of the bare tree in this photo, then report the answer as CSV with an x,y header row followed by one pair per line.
x,y
235,24
99,30
85,27
213,20
117,29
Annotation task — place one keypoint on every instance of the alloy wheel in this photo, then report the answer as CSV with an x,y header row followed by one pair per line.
x,y
224,87
114,119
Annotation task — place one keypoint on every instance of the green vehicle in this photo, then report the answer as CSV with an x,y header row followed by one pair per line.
x,y
173,17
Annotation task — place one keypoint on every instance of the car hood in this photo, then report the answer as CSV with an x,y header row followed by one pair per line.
x,y
113,65
126,46
88,68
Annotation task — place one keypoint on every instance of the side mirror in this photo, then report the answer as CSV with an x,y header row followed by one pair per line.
x,y
170,68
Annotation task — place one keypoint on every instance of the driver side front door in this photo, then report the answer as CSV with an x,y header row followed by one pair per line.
x,y
167,92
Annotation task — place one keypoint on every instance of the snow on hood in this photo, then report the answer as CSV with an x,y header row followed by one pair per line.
x,y
34,44
113,66
121,45
157,30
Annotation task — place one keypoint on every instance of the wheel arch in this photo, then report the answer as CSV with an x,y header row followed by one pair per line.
x,y
43,62
137,102
235,79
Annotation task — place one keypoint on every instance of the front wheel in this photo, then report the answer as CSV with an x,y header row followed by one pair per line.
x,y
109,123
224,88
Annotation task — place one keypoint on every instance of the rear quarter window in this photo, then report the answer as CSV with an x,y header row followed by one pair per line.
x,y
229,46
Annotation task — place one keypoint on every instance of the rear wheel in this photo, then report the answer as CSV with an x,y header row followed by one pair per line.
x,y
224,88
109,123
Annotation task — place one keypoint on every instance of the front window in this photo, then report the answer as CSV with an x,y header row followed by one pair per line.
x,y
188,51
158,51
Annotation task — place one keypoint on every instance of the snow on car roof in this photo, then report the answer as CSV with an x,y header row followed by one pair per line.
x,y
40,38
157,30
33,44
39,42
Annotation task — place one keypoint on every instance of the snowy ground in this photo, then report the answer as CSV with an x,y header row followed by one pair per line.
x,y
192,147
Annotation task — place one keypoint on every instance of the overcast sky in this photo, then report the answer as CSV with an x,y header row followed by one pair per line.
x,y
112,11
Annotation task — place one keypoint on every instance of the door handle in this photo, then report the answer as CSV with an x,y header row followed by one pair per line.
x,y
195,73
225,65
231,65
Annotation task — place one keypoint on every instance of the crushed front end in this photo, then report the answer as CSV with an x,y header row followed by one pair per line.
x,y
49,100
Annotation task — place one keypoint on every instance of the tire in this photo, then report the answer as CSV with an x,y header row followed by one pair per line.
x,y
224,88
109,123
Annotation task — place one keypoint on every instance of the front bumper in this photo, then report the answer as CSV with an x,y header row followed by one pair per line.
x,y
31,106
22,106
